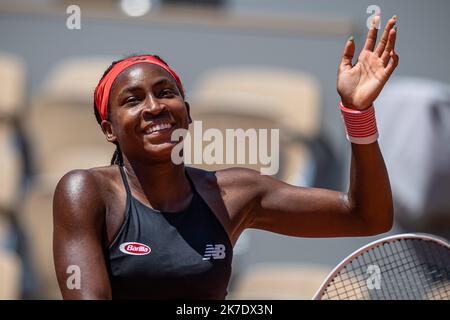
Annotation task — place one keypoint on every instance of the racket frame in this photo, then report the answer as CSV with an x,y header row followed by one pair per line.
x,y
376,243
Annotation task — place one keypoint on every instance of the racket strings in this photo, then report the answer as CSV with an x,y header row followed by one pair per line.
x,y
441,279
406,269
437,278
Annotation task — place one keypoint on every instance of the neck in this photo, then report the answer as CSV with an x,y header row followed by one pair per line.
x,y
162,186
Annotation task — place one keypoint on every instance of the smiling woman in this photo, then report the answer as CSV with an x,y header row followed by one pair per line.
x,y
148,228
129,95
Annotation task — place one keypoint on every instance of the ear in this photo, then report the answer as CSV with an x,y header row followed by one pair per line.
x,y
108,131
188,108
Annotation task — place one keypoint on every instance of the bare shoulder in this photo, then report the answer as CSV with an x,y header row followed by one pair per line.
x,y
81,192
79,181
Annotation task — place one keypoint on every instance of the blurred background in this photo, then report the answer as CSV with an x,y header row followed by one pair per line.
x,y
244,64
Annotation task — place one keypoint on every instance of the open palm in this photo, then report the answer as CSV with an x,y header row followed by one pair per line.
x,y
360,84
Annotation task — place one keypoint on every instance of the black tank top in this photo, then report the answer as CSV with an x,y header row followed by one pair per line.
x,y
176,255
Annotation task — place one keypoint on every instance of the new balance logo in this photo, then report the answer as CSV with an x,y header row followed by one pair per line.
x,y
214,251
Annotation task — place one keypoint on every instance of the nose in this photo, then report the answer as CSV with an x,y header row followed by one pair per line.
x,y
153,107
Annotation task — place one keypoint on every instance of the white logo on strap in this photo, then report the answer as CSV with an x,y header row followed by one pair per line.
x,y
214,251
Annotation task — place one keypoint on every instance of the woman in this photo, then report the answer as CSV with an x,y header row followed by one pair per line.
x,y
147,228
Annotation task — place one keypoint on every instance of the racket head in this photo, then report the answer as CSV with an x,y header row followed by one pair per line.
x,y
410,266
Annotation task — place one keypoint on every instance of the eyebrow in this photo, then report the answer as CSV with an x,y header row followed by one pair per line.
x,y
132,88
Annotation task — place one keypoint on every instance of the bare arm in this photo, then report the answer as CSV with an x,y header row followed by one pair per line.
x,y
366,209
78,215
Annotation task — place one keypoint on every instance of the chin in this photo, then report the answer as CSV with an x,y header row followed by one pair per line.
x,y
160,152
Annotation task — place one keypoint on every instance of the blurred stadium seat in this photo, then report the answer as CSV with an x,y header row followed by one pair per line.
x,y
59,134
12,97
62,125
36,220
73,81
12,85
264,98
10,265
10,268
10,166
13,157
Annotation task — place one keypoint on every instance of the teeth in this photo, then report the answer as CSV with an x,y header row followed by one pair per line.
x,y
158,127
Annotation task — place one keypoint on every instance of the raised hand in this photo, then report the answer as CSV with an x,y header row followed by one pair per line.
x,y
360,84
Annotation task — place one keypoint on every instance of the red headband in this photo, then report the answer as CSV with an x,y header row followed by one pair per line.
x,y
105,84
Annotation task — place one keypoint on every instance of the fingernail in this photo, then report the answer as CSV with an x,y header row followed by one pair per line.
x,y
394,17
351,38
395,28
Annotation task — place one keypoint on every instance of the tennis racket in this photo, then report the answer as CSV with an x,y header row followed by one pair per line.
x,y
400,267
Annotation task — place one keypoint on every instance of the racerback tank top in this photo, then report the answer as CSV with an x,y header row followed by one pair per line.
x,y
169,255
